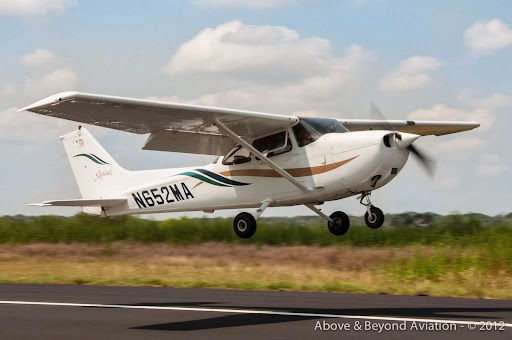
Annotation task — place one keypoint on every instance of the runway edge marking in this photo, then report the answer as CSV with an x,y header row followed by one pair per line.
x,y
240,311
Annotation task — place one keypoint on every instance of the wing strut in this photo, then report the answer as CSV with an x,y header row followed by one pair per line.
x,y
264,158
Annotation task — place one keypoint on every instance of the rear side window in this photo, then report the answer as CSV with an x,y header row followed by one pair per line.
x,y
273,145
238,155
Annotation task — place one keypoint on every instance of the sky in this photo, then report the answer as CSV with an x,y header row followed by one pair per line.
x,y
435,60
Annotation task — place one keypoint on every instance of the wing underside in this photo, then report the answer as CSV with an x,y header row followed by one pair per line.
x,y
173,127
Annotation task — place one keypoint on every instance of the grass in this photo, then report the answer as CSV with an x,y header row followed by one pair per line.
x,y
412,270
454,255
466,231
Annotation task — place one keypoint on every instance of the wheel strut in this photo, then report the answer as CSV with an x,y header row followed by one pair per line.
x,y
264,205
366,195
319,212
374,217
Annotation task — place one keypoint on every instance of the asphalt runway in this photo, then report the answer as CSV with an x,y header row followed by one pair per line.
x,y
111,312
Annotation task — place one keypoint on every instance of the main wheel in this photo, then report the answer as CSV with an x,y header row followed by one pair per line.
x,y
340,223
375,219
244,225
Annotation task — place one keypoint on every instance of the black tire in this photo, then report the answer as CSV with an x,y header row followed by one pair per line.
x,y
244,225
376,219
340,223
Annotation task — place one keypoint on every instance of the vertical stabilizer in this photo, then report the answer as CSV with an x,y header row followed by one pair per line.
x,y
97,174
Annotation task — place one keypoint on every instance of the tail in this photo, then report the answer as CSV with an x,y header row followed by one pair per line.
x,y
97,174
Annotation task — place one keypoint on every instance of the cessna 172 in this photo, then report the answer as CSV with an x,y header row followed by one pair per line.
x,y
265,160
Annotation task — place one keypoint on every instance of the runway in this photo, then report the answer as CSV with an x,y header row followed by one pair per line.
x,y
108,312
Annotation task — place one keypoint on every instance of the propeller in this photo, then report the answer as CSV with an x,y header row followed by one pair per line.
x,y
427,162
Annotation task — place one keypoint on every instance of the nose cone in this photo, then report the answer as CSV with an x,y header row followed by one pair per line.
x,y
403,139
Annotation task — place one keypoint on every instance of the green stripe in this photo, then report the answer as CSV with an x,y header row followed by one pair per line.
x,y
90,157
99,159
220,178
202,178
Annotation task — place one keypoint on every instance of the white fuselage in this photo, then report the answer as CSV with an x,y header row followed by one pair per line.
x,y
335,166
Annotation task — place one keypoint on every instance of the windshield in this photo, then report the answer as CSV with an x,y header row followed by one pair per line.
x,y
309,130
325,125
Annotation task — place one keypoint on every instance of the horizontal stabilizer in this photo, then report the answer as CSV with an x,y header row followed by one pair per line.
x,y
100,202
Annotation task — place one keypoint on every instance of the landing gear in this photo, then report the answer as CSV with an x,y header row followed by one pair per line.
x,y
339,223
374,217
244,225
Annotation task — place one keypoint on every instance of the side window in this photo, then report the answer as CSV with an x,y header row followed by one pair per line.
x,y
238,155
273,145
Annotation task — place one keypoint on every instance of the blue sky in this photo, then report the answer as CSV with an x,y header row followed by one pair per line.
x,y
424,60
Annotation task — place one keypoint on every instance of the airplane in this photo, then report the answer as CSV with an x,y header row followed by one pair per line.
x,y
264,160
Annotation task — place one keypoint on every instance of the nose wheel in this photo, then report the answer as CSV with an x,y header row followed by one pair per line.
x,y
374,217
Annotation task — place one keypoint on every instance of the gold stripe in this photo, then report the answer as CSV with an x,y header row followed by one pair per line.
x,y
297,172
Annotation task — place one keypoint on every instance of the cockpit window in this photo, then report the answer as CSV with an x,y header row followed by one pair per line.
x,y
309,130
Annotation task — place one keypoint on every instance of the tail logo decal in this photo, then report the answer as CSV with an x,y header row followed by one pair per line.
x,y
93,158
212,178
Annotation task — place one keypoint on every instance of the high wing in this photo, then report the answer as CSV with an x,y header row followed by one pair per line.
x,y
173,127
417,127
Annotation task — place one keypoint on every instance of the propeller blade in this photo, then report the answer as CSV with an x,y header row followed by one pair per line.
x,y
375,113
428,163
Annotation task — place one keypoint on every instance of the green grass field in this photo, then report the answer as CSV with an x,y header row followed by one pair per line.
x,y
458,255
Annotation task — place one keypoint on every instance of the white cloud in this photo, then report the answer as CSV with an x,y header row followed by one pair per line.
x,y
270,68
410,74
483,115
445,182
257,4
491,165
237,49
460,144
482,110
38,57
34,7
337,81
491,169
486,36
62,79
491,158
29,126
495,101
8,89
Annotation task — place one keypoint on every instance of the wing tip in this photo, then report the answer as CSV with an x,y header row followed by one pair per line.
x,y
50,100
